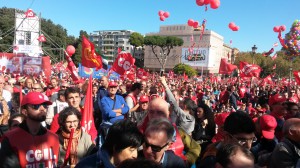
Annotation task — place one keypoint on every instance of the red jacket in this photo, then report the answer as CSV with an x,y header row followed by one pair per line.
x,y
34,150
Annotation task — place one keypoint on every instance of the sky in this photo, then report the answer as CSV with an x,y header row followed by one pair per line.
x,y
256,18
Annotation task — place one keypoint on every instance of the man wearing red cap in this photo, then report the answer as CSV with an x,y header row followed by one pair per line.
x,y
30,144
266,140
142,110
278,110
113,106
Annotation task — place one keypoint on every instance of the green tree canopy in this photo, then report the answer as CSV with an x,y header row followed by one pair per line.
x,y
181,68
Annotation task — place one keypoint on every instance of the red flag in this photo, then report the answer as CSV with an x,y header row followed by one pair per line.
x,y
274,66
225,67
171,74
41,38
269,52
297,76
68,148
275,44
123,63
274,57
185,77
87,121
249,70
29,13
119,50
266,80
89,58
72,68
142,74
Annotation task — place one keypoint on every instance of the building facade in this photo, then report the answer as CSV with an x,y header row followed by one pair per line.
x,y
110,41
203,54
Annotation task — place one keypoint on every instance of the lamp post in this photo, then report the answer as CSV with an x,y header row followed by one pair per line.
x,y
254,48
291,69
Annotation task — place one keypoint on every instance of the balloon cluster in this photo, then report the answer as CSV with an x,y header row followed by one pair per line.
x,y
291,42
163,15
214,4
233,27
192,23
292,39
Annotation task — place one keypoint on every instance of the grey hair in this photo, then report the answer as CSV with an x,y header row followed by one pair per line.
x,y
161,125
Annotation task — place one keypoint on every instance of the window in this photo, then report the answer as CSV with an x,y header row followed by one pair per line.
x,y
28,38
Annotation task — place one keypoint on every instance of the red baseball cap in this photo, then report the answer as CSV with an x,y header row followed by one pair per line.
x,y
220,118
267,124
144,99
277,98
112,84
35,98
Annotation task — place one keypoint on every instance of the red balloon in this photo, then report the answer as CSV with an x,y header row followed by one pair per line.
x,y
276,29
191,22
231,25
282,28
161,13
70,50
200,2
196,24
166,14
214,4
162,18
206,2
236,28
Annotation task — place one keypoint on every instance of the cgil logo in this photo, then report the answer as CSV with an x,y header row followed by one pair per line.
x,y
38,155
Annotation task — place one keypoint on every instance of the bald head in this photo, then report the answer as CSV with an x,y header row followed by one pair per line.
x,y
158,108
104,81
8,88
291,128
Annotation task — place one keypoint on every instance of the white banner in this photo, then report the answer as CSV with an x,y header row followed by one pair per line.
x,y
195,57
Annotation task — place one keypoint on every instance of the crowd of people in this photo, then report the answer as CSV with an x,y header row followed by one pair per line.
x,y
162,122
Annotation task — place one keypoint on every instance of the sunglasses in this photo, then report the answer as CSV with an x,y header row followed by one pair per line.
x,y
155,148
243,141
37,106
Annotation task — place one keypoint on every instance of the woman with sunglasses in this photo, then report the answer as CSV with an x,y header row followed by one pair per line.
x,y
80,141
121,143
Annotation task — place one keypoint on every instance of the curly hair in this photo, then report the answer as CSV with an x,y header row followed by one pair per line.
x,y
65,113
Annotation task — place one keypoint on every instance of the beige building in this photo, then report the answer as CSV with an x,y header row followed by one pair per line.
x,y
205,55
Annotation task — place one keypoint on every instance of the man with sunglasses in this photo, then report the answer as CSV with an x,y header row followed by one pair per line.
x,y
238,128
158,137
30,144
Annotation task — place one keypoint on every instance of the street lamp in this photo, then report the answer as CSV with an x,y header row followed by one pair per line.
x,y
291,69
254,48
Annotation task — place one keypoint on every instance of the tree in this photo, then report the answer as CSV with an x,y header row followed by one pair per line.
x,y
181,68
283,63
161,47
136,40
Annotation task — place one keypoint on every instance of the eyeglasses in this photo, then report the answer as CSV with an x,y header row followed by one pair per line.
x,y
155,148
36,88
64,86
70,122
37,106
243,141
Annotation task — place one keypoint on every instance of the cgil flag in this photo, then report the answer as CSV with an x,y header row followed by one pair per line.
x,y
249,70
